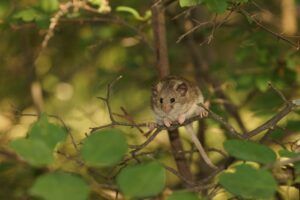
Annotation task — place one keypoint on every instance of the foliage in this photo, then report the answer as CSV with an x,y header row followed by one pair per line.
x,y
182,195
150,180
74,50
104,148
248,182
60,186
134,13
250,151
33,151
38,148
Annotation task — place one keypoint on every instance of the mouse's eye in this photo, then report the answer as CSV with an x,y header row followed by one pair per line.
x,y
172,100
161,100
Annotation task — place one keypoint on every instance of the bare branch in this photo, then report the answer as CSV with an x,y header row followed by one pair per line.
x,y
139,147
277,35
160,42
215,25
129,118
283,162
219,119
54,21
114,122
173,171
271,123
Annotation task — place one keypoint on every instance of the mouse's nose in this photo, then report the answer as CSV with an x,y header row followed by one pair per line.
x,y
166,108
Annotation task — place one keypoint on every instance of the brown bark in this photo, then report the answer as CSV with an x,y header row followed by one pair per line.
x,y
160,42
163,68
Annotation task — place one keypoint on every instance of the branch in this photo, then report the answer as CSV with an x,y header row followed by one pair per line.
x,y
283,162
160,42
137,148
201,65
128,118
271,123
114,122
277,35
54,21
215,25
163,69
11,155
173,171
219,119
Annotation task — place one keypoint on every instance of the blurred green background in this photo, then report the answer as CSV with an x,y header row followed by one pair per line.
x,y
88,50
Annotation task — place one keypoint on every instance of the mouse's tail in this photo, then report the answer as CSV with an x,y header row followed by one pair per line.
x,y
199,146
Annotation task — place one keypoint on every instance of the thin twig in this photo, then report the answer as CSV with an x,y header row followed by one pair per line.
x,y
181,37
143,145
114,122
219,119
176,173
271,123
278,92
215,26
71,158
130,119
277,35
283,162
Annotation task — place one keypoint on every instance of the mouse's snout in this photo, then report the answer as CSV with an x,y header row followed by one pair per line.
x,y
166,108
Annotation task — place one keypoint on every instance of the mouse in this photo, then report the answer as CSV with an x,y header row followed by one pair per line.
x,y
175,99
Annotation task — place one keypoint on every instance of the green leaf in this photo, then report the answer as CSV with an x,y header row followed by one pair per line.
x,y
35,152
287,153
142,180
241,1
248,182
28,15
46,132
293,125
261,82
277,134
250,151
188,3
95,2
217,6
134,13
60,186
49,5
104,148
183,195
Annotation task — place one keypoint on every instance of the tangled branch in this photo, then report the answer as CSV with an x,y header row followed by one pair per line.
x,y
114,122
64,9
268,125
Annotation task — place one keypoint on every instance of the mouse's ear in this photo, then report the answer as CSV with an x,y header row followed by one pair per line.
x,y
182,88
156,89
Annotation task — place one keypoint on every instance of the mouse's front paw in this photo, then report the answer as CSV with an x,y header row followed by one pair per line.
x,y
202,113
167,122
181,118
